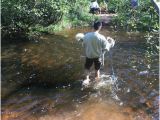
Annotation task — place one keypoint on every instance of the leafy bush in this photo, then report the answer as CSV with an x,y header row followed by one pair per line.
x,y
79,13
152,43
19,16
113,6
152,49
142,18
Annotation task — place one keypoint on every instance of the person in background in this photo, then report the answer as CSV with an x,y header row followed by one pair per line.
x,y
134,3
95,45
94,7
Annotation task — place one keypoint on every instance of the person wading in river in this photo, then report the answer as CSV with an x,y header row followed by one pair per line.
x,y
95,44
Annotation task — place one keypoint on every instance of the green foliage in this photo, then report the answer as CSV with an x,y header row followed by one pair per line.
x,y
19,15
78,13
75,14
30,12
152,43
151,47
142,18
20,18
113,5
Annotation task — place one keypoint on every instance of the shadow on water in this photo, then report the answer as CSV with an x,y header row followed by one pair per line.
x,y
51,60
42,80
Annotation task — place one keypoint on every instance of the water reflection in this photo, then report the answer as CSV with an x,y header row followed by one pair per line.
x,y
54,63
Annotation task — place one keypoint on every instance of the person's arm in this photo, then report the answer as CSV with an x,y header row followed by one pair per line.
x,y
105,45
104,48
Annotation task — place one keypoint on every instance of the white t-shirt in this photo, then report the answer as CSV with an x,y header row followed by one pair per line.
x,y
94,5
95,44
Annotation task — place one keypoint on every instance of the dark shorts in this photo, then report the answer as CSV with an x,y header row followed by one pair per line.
x,y
90,61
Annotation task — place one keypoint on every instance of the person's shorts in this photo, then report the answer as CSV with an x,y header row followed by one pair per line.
x,y
90,61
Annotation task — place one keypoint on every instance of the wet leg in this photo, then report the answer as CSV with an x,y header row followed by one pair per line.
x,y
97,75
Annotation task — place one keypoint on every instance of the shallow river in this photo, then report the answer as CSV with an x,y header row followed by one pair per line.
x,y
42,80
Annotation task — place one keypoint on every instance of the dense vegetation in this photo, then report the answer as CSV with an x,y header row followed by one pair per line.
x,y
24,18
21,18
144,17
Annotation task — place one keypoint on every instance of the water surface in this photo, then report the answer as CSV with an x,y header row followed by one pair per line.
x,y
41,79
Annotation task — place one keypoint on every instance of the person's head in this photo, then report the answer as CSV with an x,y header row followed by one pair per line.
x,y
97,25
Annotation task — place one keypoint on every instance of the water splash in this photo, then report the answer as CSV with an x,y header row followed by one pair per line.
x,y
104,82
86,83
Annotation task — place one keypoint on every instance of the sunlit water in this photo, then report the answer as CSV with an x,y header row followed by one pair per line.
x,y
43,80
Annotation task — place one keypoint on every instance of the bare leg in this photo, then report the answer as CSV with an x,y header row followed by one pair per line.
x,y
97,74
87,73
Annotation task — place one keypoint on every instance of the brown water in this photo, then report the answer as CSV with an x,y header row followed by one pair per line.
x,y
41,80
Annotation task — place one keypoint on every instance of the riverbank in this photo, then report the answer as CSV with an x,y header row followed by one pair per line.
x,y
106,18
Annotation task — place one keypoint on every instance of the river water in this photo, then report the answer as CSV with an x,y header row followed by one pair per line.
x,y
42,80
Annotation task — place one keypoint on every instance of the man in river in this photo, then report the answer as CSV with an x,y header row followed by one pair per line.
x,y
95,45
